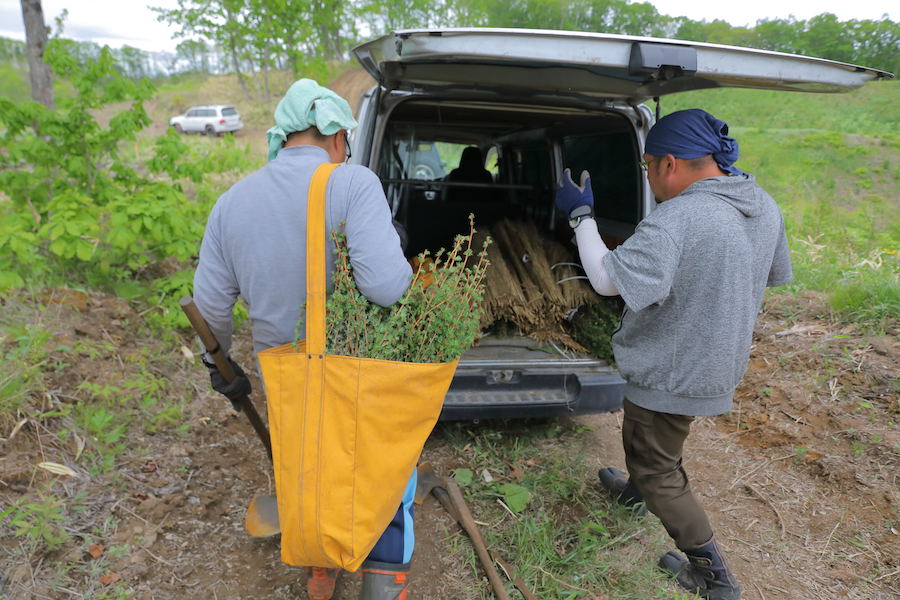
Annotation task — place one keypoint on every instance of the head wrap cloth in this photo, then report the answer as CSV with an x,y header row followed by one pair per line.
x,y
691,134
307,104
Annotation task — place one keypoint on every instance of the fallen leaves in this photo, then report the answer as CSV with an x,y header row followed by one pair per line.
x,y
149,467
57,469
95,550
108,579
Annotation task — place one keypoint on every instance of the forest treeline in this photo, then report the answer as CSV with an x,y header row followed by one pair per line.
x,y
254,36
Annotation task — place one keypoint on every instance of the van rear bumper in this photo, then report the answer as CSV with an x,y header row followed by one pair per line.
x,y
530,393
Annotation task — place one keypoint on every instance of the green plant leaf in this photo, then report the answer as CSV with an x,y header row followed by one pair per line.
x,y
463,476
58,246
515,496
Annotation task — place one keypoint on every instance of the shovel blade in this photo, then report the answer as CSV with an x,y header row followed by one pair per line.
x,y
262,517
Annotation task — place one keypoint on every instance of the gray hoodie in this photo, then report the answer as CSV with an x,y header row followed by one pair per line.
x,y
693,277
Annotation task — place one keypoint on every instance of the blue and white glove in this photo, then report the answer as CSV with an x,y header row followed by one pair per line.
x,y
570,196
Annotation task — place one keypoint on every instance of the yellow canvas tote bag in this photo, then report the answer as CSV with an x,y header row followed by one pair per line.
x,y
346,432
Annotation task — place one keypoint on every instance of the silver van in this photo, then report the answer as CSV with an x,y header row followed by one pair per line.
x,y
535,102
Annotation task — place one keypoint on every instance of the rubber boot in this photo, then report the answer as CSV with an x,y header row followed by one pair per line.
x,y
383,581
320,582
619,486
705,572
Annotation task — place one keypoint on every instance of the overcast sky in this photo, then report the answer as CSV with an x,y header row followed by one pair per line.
x,y
120,22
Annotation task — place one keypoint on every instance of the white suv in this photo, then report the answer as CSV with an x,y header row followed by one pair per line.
x,y
212,120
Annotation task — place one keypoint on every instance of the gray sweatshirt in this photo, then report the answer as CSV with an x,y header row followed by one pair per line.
x,y
693,277
255,245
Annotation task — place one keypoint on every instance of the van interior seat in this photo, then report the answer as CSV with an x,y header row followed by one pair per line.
x,y
470,170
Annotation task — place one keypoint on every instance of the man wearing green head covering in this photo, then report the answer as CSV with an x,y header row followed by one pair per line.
x,y
255,246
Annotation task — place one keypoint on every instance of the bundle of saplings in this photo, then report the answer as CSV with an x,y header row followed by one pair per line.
x,y
435,321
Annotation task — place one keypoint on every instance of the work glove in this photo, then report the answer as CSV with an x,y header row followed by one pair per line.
x,y
570,196
234,391
423,270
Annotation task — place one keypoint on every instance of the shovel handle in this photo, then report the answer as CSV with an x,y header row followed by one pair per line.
x,y
206,336
468,523
221,360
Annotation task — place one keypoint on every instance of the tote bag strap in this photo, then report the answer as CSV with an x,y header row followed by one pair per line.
x,y
316,264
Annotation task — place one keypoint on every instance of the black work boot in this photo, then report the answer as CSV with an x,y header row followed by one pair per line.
x,y
619,486
383,581
705,571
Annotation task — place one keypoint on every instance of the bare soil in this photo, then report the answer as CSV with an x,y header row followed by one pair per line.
x,y
800,480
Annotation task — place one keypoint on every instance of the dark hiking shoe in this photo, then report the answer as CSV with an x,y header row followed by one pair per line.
x,y
704,572
383,581
617,485
320,582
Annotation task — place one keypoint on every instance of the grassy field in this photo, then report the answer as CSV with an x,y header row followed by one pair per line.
x,y
832,162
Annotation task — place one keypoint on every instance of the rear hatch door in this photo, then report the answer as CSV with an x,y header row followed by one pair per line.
x,y
611,66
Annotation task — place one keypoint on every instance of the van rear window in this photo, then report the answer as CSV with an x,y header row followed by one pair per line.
x,y
228,112
611,160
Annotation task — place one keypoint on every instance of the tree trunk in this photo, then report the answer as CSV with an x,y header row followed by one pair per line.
x,y
255,78
265,65
326,42
338,45
266,72
291,54
36,40
237,63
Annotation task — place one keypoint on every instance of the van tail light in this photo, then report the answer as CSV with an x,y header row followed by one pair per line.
x,y
222,122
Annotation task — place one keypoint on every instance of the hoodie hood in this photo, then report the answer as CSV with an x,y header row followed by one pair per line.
x,y
740,191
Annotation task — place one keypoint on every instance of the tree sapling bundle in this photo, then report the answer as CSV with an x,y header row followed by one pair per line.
x,y
431,323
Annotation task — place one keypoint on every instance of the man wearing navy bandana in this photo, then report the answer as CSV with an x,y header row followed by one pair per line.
x,y
692,277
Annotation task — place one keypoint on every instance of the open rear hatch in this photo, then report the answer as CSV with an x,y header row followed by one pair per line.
x,y
610,66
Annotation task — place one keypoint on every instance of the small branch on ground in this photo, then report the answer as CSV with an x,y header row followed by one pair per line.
x,y
770,503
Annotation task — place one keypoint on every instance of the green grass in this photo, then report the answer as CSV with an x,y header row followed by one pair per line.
x,y
23,357
569,541
872,110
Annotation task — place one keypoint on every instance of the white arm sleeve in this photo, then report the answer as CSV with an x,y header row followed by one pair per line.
x,y
592,250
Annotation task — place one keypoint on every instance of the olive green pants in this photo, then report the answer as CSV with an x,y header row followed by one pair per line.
x,y
653,443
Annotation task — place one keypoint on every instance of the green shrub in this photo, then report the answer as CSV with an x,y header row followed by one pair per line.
x,y
594,327
73,197
430,324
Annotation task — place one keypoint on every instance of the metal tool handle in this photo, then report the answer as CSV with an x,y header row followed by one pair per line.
x,y
221,360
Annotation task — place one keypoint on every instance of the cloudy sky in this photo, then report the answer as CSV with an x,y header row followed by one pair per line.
x,y
119,22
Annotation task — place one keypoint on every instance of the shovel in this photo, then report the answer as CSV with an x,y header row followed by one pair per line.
x,y
262,514
209,341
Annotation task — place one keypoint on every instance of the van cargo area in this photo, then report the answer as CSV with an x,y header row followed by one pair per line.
x,y
441,160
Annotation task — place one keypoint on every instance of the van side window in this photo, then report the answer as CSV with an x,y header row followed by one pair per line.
x,y
532,166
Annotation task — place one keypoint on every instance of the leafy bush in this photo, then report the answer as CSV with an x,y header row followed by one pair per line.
x,y
73,198
593,329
